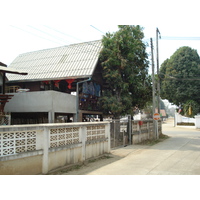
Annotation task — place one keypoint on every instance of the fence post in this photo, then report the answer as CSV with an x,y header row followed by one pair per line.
x,y
148,130
83,133
107,134
45,159
114,136
138,129
130,129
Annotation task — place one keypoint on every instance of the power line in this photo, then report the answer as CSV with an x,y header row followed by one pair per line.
x,y
97,29
34,34
168,77
179,38
53,36
63,33
69,35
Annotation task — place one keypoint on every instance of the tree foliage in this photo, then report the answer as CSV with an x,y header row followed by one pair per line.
x,y
125,70
180,78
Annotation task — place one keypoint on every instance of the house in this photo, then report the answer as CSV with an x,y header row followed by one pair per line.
x,y
4,98
63,84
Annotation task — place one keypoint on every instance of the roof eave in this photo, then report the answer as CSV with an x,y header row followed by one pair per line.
x,y
49,79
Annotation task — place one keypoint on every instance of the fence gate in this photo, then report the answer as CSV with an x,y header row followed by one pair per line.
x,y
118,133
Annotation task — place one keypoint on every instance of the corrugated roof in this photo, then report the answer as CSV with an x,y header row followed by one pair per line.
x,y
72,61
11,70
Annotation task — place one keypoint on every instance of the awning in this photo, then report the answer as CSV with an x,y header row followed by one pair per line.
x,y
11,70
4,70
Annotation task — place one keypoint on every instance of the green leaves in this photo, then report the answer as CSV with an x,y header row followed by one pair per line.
x,y
181,81
125,70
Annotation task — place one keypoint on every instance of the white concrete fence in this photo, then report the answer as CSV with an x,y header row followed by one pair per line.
x,y
140,131
144,130
38,149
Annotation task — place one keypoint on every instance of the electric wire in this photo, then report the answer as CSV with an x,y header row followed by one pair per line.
x,y
62,33
34,34
53,36
68,35
179,38
90,43
97,29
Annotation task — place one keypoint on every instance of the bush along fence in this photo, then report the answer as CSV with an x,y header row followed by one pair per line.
x,y
139,131
38,149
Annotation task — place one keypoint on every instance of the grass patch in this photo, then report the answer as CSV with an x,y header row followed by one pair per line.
x,y
151,142
185,124
67,169
99,158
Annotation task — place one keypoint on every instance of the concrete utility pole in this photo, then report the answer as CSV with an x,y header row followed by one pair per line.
x,y
158,73
153,77
155,124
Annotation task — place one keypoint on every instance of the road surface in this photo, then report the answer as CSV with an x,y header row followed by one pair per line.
x,y
177,155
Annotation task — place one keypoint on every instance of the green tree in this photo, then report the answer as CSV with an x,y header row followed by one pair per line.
x,y
180,78
125,71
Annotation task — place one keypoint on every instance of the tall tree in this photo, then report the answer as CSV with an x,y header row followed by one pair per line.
x,y
180,77
125,70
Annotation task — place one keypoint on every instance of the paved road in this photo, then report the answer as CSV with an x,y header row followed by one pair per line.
x,y
178,155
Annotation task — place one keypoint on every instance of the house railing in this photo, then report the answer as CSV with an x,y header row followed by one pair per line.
x,y
49,146
89,102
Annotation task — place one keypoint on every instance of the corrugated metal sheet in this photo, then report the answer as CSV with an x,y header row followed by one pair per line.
x,y
11,70
77,60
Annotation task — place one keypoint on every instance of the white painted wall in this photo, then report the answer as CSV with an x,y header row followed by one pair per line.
x,y
45,151
42,101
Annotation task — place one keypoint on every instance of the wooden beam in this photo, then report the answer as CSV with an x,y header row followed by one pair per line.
x,y
4,83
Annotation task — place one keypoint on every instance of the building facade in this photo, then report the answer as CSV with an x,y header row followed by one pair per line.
x,y
63,84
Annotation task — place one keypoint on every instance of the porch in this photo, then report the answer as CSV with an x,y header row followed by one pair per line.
x,y
48,107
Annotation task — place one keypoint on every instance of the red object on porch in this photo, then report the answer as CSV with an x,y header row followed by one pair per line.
x,y
140,123
70,81
46,82
56,83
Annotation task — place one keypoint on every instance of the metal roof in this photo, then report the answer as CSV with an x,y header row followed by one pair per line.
x,y
11,70
72,61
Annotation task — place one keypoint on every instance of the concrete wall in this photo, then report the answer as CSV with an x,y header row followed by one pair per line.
x,y
42,101
144,130
23,164
38,149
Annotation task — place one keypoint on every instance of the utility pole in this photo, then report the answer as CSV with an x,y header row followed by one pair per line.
x,y
153,77
158,73
155,124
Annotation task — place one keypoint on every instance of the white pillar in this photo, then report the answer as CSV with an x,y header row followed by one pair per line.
x,y
45,159
51,117
83,135
197,121
107,134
